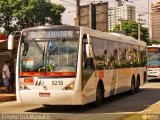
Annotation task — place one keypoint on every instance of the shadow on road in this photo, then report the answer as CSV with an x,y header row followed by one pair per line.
x,y
115,104
154,80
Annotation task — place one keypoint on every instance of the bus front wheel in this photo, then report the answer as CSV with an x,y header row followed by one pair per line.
x,y
99,94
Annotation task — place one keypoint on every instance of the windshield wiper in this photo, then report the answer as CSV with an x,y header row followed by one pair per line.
x,y
39,47
25,50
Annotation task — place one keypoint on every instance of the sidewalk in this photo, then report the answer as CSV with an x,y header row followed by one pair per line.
x,y
153,109
4,97
151,113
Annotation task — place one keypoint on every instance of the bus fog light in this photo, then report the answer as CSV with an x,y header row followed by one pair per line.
x,y
26,88
70,86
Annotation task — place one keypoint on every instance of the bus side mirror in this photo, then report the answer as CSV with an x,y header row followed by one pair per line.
x,y
10,42
89,51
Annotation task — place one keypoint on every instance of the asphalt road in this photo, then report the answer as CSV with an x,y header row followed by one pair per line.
x,y
118,106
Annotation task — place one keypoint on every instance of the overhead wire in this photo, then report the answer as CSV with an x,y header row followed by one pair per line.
x,y
137,5
67,2
72,4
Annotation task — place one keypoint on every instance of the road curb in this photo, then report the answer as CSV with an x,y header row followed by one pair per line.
x,y
7,97
153,109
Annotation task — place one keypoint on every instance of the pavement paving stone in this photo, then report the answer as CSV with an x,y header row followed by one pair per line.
x,y
10,96
7,97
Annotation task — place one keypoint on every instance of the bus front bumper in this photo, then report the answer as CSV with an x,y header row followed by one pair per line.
x,y
49,97
152,77
153,74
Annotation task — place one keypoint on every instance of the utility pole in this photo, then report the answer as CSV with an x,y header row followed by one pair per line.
x,y
120,24
120,19
139,27
148,22
78,11
92,16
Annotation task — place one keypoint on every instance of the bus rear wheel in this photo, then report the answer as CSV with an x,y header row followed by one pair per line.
x,y
137,86
133,90
99,95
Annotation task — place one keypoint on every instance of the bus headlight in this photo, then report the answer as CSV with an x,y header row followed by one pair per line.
x,y
70,86
21,87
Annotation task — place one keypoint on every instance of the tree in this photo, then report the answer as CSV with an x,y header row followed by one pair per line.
x,y
6,18
21,14
145,35
131,29
152,41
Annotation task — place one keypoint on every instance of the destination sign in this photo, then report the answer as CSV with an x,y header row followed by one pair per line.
x,y
50,34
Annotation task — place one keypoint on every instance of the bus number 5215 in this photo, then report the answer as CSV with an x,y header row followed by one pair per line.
x,y
57,82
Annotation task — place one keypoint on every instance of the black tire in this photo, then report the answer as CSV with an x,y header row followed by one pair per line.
x,y
132,91
145,77
137,85
99,95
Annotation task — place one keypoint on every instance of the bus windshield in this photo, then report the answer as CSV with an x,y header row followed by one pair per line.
x,y
56,57
153,57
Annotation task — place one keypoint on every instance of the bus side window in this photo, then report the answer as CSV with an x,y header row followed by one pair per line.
x,y
88,63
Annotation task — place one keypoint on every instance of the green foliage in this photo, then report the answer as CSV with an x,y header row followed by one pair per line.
x,y
19,14
131,29
6,17
153,42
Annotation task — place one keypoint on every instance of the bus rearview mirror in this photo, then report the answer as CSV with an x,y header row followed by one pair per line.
x,y
89,51
10,42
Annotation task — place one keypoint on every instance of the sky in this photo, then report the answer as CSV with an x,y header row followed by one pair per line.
x,y
70,5
69,15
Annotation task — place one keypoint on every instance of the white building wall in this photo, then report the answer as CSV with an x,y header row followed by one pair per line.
x,y
126,12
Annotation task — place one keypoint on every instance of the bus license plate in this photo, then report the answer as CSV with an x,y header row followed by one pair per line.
x,y
44,94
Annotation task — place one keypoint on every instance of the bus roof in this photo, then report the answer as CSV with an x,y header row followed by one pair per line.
x,y
61,27
113,36
93,33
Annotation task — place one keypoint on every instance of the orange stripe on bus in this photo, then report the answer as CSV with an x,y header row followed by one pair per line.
x,y
60,73
153,66
48,73
32,73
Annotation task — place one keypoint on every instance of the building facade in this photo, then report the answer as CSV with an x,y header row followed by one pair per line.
x,y
94,16
155,21
119,13
111,18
